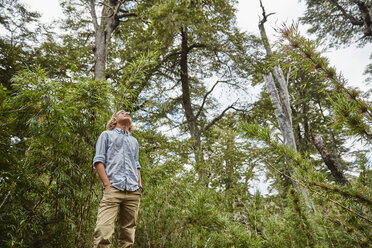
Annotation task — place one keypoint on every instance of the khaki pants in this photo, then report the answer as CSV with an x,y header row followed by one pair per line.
x,y
112,200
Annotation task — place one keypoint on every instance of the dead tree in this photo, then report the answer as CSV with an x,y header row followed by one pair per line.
x,y
277,85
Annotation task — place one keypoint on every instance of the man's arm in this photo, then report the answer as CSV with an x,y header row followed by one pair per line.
x,y
136,159
100,159
100,168
139,178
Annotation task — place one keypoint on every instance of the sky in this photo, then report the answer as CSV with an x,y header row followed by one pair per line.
x,y
350,61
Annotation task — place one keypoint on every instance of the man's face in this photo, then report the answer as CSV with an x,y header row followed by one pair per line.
x,y
124,119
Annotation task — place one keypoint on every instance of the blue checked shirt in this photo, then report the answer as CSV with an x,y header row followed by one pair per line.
x,y
118,151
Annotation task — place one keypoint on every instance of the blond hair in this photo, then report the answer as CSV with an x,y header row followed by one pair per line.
x,y
111,124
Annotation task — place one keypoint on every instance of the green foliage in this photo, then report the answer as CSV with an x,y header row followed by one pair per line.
x,y
128,87
180,213
303,166
341,22
51,187
217,50
344,205
5,139
351,109
19,30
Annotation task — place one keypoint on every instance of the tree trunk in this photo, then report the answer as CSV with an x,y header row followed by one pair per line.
x,y
186,96
100,55
186,103
280,100
330,160
103,31
192,119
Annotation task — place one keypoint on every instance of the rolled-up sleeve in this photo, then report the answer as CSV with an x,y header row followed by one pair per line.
x,y
101,149
136,156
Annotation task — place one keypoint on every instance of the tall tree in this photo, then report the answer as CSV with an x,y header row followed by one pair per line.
x,y
200,43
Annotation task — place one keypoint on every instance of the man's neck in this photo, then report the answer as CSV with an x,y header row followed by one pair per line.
x,y
123,128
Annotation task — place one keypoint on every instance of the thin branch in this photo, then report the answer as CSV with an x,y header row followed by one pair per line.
x,y
239,109
126,15
110,7
175,126
195,46
205,97
87,38
115,9
346,194
261,27
367,16
146,232
264,16
351,18
6,197
174,53
118,7
215,51
217,118
94,15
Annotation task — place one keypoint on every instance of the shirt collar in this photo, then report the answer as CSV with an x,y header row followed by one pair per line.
x,y
121,131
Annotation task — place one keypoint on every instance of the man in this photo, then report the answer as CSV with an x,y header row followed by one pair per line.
x,y
116,162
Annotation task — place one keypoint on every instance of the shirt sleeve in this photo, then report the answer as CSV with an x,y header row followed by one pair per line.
x,y
101,149
136,156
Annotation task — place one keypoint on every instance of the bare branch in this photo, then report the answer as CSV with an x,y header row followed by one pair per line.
x,y
351,18
117,9
217,118
239,109
195,46
126,15
205,97
261,27
264,16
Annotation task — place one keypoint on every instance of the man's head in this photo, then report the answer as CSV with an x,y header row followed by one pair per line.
x,y
120,118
